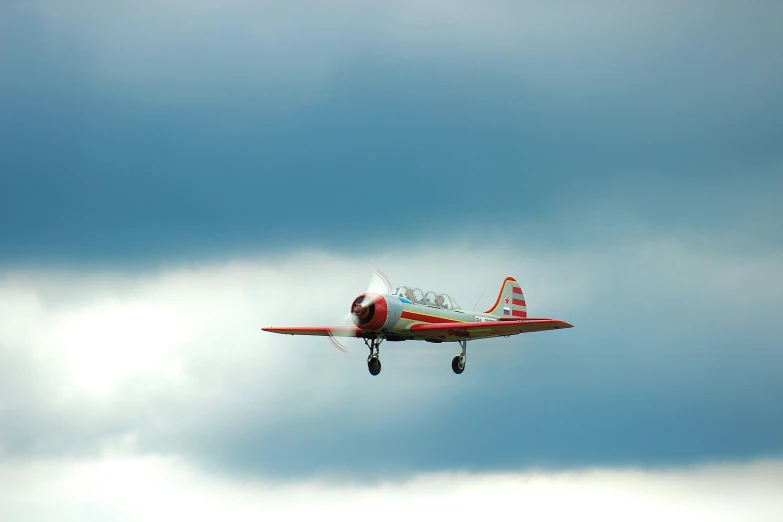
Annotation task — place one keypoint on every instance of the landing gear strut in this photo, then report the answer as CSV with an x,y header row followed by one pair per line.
x,y
458,362
373,362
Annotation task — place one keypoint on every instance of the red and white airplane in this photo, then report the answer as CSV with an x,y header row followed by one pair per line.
x,y
410,314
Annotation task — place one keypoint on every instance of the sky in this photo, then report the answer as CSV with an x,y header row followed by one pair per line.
x,y
176,175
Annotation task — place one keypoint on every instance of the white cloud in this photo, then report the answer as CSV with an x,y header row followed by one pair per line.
x,y
160,359
154,488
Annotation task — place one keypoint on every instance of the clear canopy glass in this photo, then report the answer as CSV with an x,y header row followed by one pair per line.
x,y
426,297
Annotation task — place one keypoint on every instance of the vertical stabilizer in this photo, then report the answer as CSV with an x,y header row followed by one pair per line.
x,y
510,301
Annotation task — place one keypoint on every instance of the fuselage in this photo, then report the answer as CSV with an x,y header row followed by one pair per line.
x,y
394,315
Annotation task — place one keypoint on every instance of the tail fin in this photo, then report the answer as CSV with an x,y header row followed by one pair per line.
x,y
511,300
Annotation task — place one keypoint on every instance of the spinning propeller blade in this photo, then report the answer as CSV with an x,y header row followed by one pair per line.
x,y
380,279
337,344
379,284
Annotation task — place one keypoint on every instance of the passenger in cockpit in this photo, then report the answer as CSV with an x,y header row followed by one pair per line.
x,y
441,302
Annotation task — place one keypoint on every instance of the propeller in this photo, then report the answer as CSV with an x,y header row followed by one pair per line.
x,y
379,284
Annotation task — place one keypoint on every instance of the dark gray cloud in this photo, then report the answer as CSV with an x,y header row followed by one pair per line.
x,y
161,132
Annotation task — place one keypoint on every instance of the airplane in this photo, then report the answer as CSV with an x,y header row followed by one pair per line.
x,y
410,314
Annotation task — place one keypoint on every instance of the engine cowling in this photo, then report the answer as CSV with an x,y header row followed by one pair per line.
x,y
370,311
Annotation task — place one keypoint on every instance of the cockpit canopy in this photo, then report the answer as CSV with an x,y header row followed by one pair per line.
x,y
426,298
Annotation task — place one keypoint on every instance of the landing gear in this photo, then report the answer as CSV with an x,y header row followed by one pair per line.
x,y
373,362
374,365
458,362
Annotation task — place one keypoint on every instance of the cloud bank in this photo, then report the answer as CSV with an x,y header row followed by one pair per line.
x,y
118,489
656,372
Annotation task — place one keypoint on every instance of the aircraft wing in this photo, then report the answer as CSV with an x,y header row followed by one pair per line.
x,y
325,331
453,331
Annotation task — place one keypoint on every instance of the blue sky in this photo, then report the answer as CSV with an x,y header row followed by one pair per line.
x,y
185,173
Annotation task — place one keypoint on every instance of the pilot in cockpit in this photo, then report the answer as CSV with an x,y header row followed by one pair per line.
x,y
441,302
409,295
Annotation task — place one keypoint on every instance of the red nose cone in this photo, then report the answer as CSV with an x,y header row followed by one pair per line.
x,y
370,311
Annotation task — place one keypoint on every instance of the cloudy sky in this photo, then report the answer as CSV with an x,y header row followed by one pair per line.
x,y
176,175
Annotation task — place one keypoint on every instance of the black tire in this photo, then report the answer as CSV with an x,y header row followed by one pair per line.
x,y
455,365
374,365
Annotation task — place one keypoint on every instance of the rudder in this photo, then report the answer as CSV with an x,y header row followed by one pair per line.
x,y
510,301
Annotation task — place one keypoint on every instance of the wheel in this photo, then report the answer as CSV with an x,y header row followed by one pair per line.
x,y
457,365
374,365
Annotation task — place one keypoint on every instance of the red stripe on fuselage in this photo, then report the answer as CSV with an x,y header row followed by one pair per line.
x,y
518,302
413,316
